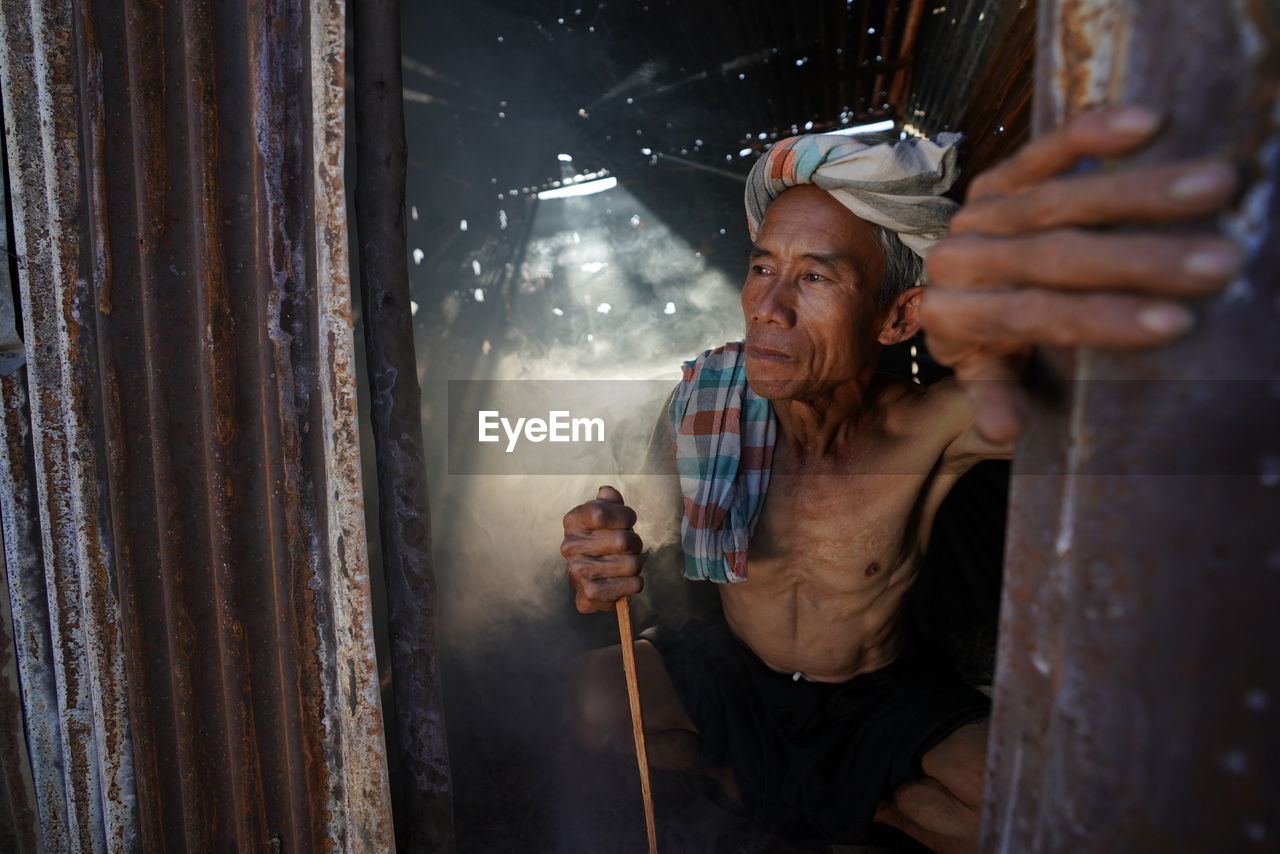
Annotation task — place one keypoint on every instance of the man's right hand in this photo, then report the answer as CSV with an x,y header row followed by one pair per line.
x,y
603,552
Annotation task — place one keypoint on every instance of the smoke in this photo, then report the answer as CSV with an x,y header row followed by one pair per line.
x,y
580,289
591,297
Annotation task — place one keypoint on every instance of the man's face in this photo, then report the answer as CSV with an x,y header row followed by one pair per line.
x,y
810,297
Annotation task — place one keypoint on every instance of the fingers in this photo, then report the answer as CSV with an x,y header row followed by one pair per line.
x,y
600,580
1004,320
1083,260
1098,133
1152,194
597,515
601,594
608,493
601,542
584,566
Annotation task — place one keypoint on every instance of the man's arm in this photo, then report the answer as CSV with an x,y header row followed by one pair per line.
x,y
951,406
1030,260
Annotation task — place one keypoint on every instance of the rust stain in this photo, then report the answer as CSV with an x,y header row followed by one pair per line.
x,y
1091,39
195,453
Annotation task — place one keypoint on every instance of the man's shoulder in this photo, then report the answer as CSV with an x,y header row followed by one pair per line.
x,y
946,395
941,408
897,391
727,356
944,412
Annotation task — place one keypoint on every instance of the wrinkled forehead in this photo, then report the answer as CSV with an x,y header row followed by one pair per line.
x,y
807,214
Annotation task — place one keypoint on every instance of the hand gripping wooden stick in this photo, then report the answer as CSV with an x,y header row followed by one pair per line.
x,y
623,608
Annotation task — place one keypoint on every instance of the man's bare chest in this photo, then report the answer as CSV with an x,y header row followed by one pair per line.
x,y
839,532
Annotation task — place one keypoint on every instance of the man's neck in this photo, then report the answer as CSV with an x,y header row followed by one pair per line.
x,y
821,427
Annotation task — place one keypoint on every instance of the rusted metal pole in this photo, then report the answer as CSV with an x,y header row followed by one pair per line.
x,y
1138,693
425,799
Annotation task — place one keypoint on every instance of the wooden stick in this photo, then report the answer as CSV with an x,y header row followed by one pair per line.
x,y
623,608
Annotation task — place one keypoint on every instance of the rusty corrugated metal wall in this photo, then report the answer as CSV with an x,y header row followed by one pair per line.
x,y
24,634
183,521
1138,680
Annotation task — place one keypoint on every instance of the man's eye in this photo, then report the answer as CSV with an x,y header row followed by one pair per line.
x,y
760,269
814,277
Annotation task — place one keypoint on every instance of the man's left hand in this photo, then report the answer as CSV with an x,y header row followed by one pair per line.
x,y
1028,263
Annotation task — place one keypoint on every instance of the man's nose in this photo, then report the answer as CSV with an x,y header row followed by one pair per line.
x,y
775,303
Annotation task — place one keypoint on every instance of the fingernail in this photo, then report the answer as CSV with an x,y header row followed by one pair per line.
x,y
1205,181
1166,319
1135,121
1212,263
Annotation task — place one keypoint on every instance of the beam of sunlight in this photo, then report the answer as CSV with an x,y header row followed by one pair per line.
x,y
867,128
584,189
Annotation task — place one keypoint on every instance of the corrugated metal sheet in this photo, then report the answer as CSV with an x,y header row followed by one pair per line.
x,y
38,810
24,618
974,74
1137,689
86,764
958,40
997,119
19,824
180,218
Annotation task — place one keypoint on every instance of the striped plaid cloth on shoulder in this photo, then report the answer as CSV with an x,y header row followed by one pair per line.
x,y
724,436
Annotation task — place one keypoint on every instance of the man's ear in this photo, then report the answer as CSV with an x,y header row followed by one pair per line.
x,y
902,318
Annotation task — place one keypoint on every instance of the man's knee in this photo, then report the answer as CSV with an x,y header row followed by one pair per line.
x,y
959,763
601,709
932,815
599,705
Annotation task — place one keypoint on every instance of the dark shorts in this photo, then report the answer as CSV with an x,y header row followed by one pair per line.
x,y
813,760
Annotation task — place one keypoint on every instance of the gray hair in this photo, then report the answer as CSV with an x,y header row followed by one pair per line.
x,y
903,269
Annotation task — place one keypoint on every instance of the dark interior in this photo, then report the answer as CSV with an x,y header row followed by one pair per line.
x,y
675,101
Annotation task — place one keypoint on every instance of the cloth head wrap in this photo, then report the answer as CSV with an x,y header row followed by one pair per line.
x,y
897,184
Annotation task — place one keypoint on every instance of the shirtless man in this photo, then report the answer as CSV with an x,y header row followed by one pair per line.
x,y
862,462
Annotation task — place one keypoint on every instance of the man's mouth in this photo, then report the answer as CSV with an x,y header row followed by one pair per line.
x,y
767,354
